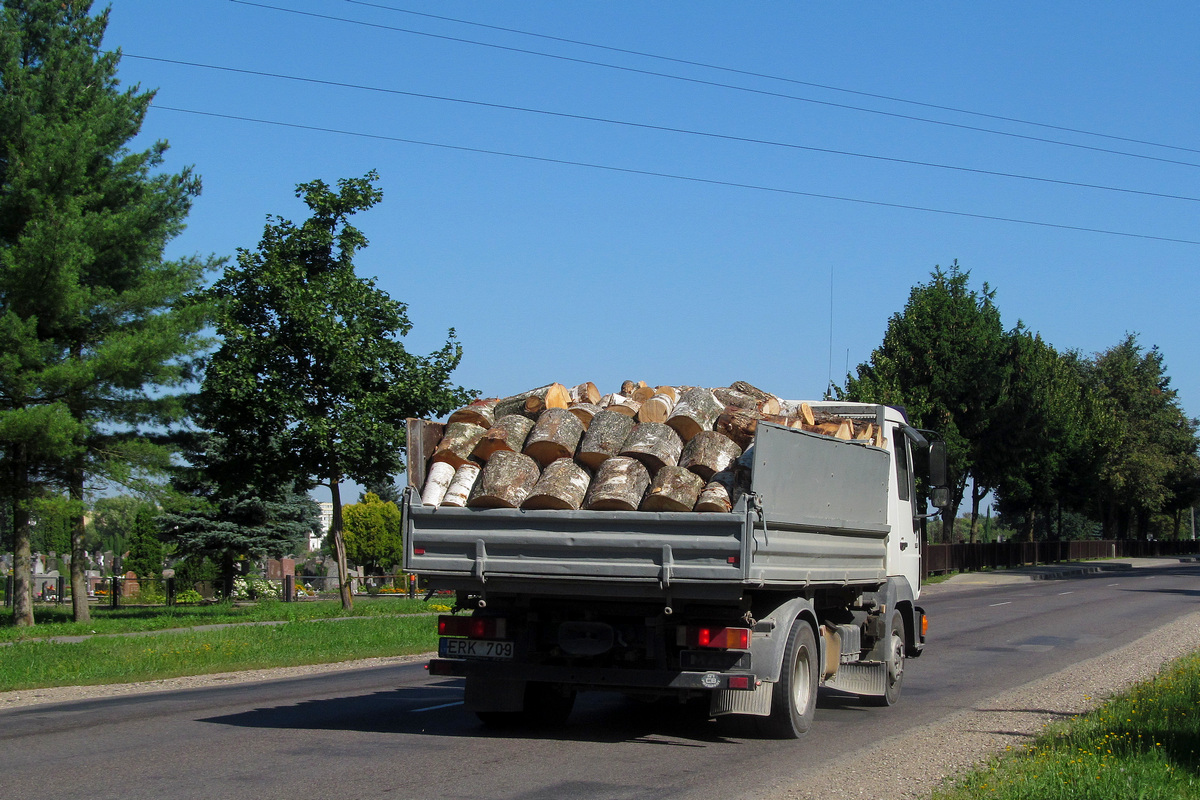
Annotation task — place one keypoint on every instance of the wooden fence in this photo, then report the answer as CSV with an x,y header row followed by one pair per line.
x,y
941,558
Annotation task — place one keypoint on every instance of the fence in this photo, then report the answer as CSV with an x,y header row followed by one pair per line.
x,y
941,558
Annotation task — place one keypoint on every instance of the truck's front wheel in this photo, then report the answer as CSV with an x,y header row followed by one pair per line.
x,y
794,699
893,665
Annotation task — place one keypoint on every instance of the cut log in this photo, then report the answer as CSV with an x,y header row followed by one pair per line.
x,y
642,393
739,424
533,402
604,437
673,489
457,443
825,428
556,435
585,412
721,493
629,387
732,397
654,444
806,414
708,453
669,391
696,411
436,484
621,404
764,401
845,430
657,409
480,412
509,433
584,393
563,486
460,488
505,482
619,485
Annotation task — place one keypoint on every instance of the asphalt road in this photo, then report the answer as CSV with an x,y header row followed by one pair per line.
x,y
395,732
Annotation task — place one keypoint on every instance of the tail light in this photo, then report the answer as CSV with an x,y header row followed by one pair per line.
x,y
472,627
719,638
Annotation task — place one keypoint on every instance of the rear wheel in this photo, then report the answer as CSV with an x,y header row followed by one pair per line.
x,y
794,698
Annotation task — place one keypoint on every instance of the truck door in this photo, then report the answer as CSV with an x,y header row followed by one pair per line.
x,y
905,545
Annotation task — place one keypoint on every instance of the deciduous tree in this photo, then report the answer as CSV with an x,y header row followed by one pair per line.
x,y
372,532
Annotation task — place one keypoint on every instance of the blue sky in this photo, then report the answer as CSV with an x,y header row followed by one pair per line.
x,y
554,271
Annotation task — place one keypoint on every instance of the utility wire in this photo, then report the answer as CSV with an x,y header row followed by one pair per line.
x,y
717,84
663,128
689,178
752,74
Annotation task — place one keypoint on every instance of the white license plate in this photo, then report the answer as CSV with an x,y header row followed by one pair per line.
x,y
475,648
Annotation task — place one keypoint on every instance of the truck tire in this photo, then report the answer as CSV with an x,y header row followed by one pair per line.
x,y
794,698
893,665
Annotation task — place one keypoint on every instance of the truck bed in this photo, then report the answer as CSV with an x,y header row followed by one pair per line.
x,y
791,530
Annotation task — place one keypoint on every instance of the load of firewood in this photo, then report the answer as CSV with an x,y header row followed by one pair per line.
x,y
662,448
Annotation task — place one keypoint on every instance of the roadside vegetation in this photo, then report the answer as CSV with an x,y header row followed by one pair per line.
x,y
1144,743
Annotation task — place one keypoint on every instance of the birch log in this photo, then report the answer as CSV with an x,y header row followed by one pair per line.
x,y
461,486
618,486
556,435
673,489
457,443
585,412
508,433
739,424
708,453
480,412
533,402
604,437
436,483
732,397
563,486
505,482
654,444
696,411
764,401
657,409
584,393
720,493
621,404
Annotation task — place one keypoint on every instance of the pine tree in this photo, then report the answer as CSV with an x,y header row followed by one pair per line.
x,y
96,332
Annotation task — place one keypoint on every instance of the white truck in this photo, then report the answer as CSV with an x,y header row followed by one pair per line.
x,y
813,578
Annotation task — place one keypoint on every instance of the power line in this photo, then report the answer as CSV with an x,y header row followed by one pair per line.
x,y
795,81
664,128
717,84
689,178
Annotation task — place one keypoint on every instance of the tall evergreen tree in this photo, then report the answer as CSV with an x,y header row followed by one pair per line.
x,y
312,382
94,331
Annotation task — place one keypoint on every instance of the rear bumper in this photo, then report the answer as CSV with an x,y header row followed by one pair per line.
x,y
592,677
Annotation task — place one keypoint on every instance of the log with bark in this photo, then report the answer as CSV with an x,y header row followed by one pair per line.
x,y
584,393
585,412
673,489
739,424
480,412
619,485
655,444
732,397
563,486
621,404
533,402
437,482
764,401
556,435
505,481
604,437
509,433
708,453
461,486
657,409
696,411
721,492
457,443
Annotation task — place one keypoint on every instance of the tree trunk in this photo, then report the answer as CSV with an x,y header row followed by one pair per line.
x,y
618,486
339,545
22,532
505,482
708,453
563,486
556,435
696,411
604,437
79,594
673,489
654,444
509,433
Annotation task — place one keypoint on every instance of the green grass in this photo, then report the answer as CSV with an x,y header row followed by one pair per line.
x,y
56,620
1142,744
99,660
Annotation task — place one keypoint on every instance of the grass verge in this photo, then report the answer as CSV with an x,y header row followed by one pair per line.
x,y
1144,744
56,620
37,664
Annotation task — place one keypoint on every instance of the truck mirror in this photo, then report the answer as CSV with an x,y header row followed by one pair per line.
x,y
939,497
937,464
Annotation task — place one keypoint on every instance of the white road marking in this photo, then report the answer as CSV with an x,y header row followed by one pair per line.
x,y
1005,603
435,708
